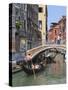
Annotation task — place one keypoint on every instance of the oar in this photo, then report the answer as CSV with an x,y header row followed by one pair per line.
x,y
33,70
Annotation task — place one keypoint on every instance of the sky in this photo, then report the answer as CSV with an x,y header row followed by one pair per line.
x,y
55,13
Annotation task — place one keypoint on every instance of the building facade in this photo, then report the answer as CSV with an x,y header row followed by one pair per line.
x,y
53,33
62,26
57,29
23,27
17,27
42,19
33,34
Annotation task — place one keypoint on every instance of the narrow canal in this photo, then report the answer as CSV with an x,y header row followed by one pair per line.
x,y
54,73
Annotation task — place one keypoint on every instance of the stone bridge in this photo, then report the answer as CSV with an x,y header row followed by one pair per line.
x,y
41,48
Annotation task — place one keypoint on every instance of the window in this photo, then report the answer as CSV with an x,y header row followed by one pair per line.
x,y
22,44
16,11
25,7
40,24
19,17
63,30
40,9
55,32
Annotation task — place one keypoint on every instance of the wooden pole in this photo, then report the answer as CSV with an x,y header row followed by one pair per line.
x,y
33,70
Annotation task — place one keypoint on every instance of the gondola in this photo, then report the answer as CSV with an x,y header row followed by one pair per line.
x,y
31,70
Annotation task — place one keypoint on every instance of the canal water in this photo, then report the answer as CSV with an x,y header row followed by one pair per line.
x,y
54,73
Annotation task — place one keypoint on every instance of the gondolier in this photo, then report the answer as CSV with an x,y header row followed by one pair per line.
x,y
28,59
31,68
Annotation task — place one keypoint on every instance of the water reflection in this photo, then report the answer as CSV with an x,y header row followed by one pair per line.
x,y
57,68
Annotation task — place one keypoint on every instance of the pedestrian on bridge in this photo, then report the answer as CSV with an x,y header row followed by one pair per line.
x,y
59,39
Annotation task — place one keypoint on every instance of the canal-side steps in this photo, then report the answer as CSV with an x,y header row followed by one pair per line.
x,y
17,69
